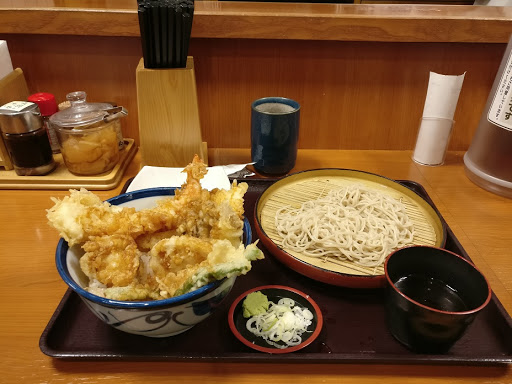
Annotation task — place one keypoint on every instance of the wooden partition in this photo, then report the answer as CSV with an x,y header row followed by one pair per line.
x,y
355,93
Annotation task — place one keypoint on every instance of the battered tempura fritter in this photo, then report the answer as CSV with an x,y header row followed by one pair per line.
x,y
193,211
83,215
183,243
183,263
112,260
148,240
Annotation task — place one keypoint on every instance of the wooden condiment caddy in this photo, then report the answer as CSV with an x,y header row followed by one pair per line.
x,y
14,87
62,179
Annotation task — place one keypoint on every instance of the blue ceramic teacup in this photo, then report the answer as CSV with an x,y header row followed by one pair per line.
x,y
274,134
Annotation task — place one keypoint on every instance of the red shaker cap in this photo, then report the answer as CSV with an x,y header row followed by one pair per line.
x,y
45,101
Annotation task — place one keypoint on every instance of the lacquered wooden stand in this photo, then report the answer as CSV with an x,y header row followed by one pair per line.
x,y
169,127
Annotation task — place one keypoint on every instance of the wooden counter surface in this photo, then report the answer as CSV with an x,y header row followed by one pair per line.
x,y
253,20
359,71
30,287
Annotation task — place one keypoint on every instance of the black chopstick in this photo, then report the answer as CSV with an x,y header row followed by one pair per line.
x,y
165,29
188,17
143,38
178,36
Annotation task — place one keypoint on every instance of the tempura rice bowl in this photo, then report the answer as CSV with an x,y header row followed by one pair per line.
x,y
157,318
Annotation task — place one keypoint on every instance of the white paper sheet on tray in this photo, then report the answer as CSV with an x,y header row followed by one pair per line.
x,y
153,177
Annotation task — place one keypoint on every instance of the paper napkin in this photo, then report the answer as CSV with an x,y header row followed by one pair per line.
x,y
153,177
5,60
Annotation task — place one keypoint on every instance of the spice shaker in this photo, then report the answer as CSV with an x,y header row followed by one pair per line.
x,y
47,106
26,138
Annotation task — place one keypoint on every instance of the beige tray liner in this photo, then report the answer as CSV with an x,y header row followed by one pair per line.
x,y
295,193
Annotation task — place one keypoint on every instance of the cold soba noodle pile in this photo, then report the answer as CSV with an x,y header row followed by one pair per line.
x,y
352,223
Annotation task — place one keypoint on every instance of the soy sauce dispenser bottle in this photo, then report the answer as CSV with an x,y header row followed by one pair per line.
x,y
26,139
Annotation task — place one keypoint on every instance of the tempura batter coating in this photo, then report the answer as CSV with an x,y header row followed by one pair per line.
x,y
159,252
193,211
82,215
176,260
112,260
184,263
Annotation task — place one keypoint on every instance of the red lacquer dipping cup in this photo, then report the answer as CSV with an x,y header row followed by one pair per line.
x,y
433,296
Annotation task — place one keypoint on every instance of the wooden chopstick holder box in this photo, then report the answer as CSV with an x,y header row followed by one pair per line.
x,y
169,127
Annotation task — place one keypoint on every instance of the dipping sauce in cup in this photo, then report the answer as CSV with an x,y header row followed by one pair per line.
x,y
433,296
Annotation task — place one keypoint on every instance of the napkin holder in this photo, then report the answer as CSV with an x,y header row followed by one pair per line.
x,y
13,87
169,129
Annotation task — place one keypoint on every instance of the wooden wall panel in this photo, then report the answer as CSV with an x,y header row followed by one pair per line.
x,y
354,95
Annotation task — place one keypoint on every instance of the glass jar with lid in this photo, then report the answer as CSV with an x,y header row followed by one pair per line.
x,y
88,135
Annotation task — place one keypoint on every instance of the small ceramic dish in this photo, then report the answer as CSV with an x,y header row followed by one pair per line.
x,y
237,322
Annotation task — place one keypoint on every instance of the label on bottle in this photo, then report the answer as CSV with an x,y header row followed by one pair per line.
x,y
16,106
52,135
500,112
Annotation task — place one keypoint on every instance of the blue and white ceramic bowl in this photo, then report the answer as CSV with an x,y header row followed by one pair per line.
x,y
158,318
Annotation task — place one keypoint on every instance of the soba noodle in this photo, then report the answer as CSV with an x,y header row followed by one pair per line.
x,y
352,223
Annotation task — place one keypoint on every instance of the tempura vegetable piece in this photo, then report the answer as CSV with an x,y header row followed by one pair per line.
x,y
184,263
176,260
224,261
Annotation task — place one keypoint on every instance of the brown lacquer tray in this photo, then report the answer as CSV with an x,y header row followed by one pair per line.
x,y
354,328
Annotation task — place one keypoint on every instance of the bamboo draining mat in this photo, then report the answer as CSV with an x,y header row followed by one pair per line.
x,y
296,189
61,178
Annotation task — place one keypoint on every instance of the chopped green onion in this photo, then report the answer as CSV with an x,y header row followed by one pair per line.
x,y
282,325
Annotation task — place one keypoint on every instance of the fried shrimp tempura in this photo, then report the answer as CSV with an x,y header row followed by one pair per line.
x,y
193,211
181,244
217,214
82,215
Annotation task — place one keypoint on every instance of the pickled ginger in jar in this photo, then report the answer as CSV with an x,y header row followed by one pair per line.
x,y
88,136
